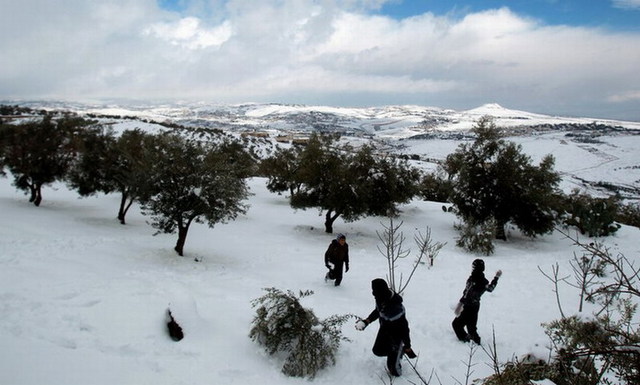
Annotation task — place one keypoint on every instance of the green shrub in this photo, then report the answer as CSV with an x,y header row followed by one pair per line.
x,y
579,343
477,238
435,188
282,325
559,371
592,216
629,214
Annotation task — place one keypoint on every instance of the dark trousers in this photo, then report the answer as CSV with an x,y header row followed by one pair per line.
x,y
469,319
388,346
336,273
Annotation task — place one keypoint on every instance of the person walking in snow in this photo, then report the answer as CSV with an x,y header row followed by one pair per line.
x,y
335,257
469,305
393,338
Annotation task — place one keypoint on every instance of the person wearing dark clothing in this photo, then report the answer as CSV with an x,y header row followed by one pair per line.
x,y
335,257
469,305
393,338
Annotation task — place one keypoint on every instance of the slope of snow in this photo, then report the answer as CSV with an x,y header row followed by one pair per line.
x,y
83,298
386,121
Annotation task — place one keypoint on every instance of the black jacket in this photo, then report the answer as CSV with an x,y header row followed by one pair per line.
x,y
476,285
337,254
393,320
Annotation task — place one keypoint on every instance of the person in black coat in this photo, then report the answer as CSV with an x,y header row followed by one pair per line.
x,y
469,305
335,257
393,338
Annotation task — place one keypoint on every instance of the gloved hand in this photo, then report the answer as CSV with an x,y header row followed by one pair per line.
x,y
498,273
361,324
347,269
328,267
409,352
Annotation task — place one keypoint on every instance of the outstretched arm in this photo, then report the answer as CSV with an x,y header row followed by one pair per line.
x,y
494,281
361,324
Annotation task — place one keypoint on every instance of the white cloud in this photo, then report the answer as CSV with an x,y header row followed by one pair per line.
x,y
627,4
189,33
303,51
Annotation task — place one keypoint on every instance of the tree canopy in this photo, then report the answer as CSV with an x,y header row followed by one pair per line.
x,y
40,152
493,180
341,181
110,164
194,181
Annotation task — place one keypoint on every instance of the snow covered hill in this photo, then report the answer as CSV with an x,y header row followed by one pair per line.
x,y
396,121
598,156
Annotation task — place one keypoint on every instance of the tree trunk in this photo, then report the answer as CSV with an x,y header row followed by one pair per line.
x,y
32,189
124,207
500,233
121,210
38,195
182,237
328,222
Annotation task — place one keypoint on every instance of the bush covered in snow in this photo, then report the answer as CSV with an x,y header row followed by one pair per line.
x,y
283,325
477,238
592,216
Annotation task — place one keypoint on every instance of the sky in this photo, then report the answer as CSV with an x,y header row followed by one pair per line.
x,y
557,57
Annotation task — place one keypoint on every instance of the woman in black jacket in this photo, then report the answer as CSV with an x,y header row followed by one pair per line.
x,y
393,338
469,305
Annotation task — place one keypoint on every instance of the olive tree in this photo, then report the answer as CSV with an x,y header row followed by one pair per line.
x,y
194,181
493,180
40,152
342,181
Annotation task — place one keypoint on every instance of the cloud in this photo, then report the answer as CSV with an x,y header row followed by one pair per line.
x,y
189,33
627,4
625,97
312,51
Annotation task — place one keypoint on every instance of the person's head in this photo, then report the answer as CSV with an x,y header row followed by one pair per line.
x,y
478,265
341,239
380,290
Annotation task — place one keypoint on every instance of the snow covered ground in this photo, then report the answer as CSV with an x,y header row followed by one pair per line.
x,y
83,298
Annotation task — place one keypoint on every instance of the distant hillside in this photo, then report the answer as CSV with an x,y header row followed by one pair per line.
x,y
393,122
599,156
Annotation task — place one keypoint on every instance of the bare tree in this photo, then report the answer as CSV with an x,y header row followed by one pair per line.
x,y
393,250
586,271
469,365
555,279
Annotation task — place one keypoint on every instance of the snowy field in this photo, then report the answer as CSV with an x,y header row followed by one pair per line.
x,y
83,298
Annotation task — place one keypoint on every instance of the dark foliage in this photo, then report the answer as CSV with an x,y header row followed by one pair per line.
x,y
283,325
493,180
629,214
40,151
194,181
594,217
341,181
436,188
